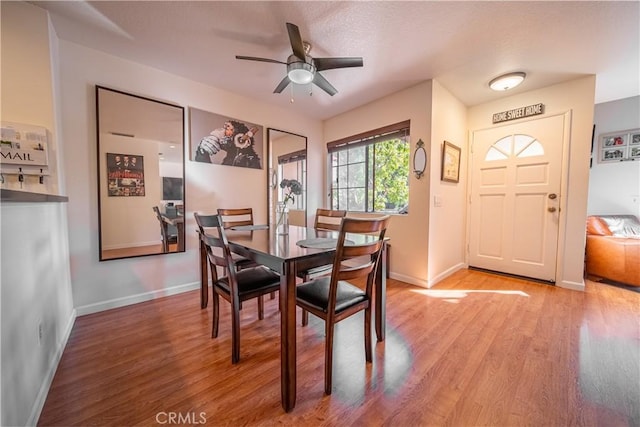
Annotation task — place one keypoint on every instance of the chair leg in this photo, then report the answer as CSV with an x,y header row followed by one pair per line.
x,y
305,313
367,334
260,308
216,314
235,334
328,356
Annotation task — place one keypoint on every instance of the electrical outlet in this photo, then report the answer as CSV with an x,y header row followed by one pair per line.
x,y
40,333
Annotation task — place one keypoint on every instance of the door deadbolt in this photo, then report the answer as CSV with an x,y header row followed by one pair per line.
x,y
551,209
553,196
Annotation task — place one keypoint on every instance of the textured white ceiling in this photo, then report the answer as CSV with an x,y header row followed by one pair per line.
x,y
461,44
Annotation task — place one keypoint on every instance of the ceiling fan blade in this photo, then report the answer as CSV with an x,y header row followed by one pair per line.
x,y
323,84
253,58
296,41
331,63
284,83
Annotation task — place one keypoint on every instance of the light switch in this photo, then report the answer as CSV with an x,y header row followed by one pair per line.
x,y
437,201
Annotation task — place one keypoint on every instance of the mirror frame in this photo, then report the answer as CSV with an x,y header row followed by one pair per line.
x,y
419,159
100,171
272,174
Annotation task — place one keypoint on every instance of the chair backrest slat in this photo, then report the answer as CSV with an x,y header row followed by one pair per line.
x,y
329,219
236,217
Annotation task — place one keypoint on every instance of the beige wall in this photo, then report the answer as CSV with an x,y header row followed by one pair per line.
x,y
27,83
447,238
35,287
576,97
408,233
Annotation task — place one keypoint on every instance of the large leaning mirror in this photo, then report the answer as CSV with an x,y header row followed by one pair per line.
x,y
140,175
287,154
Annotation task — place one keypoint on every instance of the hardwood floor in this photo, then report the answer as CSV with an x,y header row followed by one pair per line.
x,y
478,349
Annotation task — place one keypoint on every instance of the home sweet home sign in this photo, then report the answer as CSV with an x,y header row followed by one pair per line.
x,y
518,113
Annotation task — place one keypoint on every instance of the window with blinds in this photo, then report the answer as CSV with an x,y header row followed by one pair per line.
x,y
370,171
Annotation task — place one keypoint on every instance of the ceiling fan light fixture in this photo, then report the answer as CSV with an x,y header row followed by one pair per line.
x,y
300,72
507,81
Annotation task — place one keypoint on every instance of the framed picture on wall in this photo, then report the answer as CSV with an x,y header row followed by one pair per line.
x,y
450,162
125,175
619,146
223,140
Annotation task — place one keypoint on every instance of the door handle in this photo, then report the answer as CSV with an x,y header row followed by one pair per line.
x,y
553,196
551,209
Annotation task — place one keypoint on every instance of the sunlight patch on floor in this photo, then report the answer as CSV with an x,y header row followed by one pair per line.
x,y
454,295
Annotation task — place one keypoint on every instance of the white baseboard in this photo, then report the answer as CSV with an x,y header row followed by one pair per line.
x,y
36,410
427,283
408,279
448,272
134,299
574,286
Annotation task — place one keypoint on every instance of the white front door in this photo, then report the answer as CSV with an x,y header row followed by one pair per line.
x,y
515,197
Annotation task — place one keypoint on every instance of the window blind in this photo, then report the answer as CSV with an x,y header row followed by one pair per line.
x,y
292,157
395,131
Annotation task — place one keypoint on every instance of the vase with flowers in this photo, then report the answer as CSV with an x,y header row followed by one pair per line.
x,y
292,188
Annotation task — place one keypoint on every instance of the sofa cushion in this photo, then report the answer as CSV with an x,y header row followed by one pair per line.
x,y
622,225
597,227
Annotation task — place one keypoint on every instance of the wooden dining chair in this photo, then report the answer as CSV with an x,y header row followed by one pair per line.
x,y
334,298
237,285
326,219
210,221
236,217
167,237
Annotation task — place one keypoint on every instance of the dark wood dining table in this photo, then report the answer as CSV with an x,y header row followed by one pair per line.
x,y
282,254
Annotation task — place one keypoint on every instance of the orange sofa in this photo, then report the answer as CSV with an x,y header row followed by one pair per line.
x,y
613,248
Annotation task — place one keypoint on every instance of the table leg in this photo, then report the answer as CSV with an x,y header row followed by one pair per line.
x,y
288,337
381,294
204,281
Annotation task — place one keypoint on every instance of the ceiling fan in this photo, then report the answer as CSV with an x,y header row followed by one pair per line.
x,y
302,68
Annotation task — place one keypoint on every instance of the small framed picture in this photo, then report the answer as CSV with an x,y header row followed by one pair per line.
x,y
619,140
450,162
613,154
635,138
634,151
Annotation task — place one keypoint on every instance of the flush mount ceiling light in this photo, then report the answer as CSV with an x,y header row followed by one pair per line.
x,y
507,81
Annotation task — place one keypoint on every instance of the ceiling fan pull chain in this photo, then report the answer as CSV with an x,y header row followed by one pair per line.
x,y
291,87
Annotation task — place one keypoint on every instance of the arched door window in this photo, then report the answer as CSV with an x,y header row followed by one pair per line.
x,y
518,145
